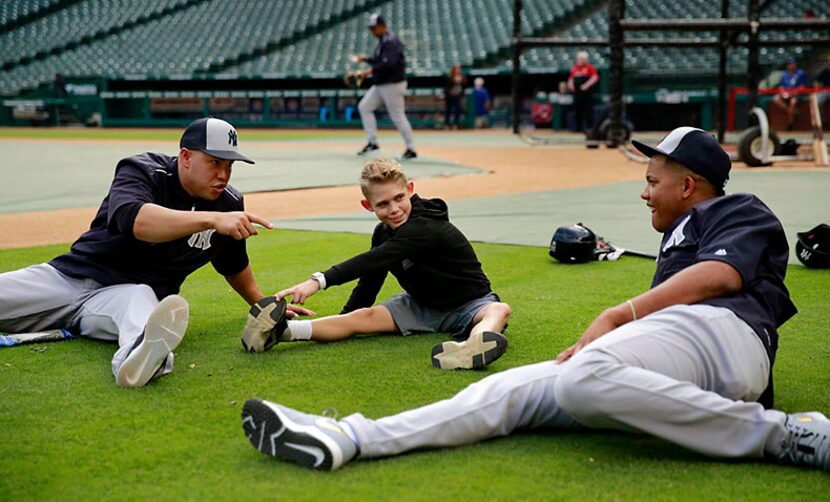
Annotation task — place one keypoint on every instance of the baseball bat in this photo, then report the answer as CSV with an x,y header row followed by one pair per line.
x,y
54,335
641,254
819,145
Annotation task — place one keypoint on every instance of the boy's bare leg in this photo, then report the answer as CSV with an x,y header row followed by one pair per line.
x,y
338,327
493,317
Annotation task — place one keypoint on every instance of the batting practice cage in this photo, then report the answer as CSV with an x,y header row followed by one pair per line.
x,y
740,35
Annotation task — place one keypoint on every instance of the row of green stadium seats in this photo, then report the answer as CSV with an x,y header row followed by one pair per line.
x,y
654,60
437,34
180,44
316,54
13,10
74,23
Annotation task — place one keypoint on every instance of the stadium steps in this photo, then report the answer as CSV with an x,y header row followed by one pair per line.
x,y
45,8
100,34
276,45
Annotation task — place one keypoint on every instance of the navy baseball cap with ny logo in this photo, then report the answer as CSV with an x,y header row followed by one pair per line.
x,y
214,137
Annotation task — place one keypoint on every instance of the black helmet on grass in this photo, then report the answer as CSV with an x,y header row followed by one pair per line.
x,y
573,244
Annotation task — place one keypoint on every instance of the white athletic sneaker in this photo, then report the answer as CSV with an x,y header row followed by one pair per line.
x,y
475,353
311,441
162,334
808,441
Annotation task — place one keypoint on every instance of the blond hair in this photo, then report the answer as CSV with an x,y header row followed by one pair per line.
x,y
380,170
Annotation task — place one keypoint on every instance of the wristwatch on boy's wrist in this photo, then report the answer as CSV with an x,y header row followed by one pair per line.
x,y
320,278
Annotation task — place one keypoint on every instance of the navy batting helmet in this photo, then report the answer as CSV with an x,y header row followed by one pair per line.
x,y
813,247
573,244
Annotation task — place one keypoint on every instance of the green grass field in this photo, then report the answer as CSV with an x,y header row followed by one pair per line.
x,y
70,433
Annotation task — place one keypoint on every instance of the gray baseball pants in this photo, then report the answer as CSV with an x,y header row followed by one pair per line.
x,y
687,374
39,298
393,97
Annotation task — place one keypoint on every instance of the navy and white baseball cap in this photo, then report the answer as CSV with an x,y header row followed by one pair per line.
x,y
697,150
214,137
376,20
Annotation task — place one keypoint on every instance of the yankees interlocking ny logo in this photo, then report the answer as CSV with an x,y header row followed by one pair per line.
x,y
232,137
201,240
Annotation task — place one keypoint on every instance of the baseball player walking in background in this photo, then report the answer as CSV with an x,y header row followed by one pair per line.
x,y
388,69
163,218
688,361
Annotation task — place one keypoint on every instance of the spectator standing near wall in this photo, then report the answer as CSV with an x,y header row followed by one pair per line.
x,y
483,103
582,83
453,93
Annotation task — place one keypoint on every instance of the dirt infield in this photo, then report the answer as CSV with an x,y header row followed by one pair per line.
x,y
507,170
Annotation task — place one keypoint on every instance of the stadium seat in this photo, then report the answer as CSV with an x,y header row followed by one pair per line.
x,y
174,44
164,38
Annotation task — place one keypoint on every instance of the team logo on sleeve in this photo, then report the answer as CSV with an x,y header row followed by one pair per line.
x,y
201,240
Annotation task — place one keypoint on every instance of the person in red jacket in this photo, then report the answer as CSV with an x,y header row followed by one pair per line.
x,y
582,82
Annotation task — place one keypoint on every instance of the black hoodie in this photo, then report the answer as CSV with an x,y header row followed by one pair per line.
x,y
429,256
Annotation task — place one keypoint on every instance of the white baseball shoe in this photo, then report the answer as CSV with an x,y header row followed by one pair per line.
x,y
475,353
808,440
311,441
164,330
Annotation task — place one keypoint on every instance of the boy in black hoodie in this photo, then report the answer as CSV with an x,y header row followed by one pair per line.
x,y
445,289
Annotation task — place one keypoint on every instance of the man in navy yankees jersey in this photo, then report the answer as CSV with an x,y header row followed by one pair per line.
x,y
688,361
388,69
163,218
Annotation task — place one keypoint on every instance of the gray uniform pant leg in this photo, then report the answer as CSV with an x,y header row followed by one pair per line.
x,y
520,398
119,313
370,102
40,297
393,96
687,374
37,298
681,374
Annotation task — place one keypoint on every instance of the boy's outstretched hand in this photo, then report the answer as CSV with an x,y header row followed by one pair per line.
x,y
293,311
301,292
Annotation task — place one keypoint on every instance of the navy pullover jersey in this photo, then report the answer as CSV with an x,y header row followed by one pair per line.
x,y
388,62
743,232
110,254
